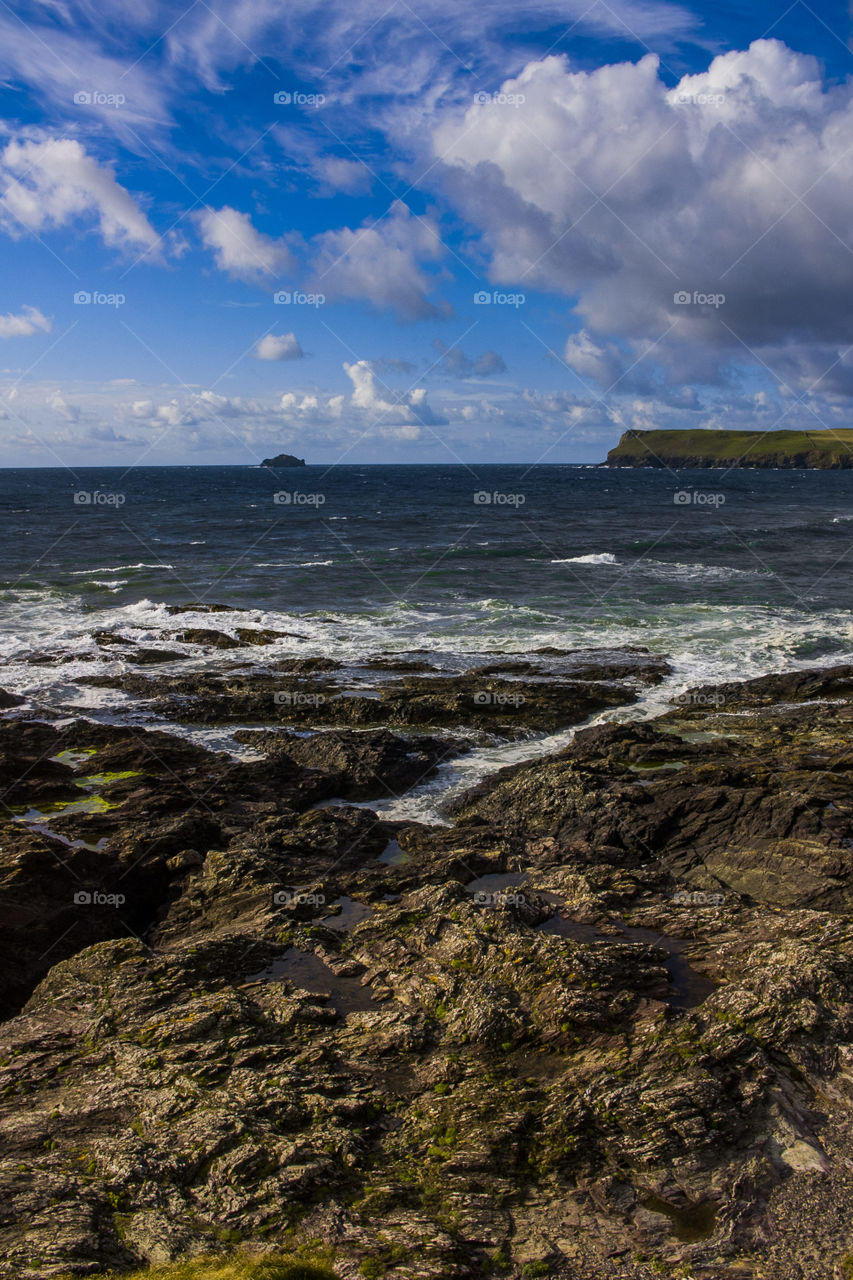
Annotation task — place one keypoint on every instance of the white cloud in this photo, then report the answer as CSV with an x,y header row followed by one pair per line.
x,y
58,405
410,54
381,262
377,405
50,182
609,187
28,321
238,248
175,414
124,94
598,363
278,346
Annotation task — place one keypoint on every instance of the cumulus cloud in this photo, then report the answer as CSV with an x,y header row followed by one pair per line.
x,y
381,262
50,182
238,248
58,405
281,346
411,407
621,193
175,414
28,321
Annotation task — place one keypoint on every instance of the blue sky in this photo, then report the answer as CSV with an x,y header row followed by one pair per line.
x,y
418,231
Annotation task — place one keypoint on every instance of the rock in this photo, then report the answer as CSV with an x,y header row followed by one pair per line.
x,y
506,708
360,764
762,807
283,460
200,607
149,657
468,1056
260,635
207,636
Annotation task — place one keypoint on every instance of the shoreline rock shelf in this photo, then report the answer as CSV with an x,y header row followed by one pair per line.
x,y
601,1024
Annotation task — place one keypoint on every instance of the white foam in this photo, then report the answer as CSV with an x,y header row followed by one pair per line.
x,y
117,568
595,557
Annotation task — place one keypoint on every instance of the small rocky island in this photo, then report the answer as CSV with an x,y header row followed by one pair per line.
x,y
825,450
283,460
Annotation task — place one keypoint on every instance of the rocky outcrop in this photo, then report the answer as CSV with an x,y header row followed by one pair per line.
x,y
312,692
601,1026
283,460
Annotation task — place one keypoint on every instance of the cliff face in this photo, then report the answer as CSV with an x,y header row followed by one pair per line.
x,y
826,450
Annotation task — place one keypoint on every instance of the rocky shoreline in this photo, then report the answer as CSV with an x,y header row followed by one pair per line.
x,y
599,1026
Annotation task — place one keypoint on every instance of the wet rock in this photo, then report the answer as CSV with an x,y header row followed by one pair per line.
x,y
761,805
451,1085
200,607
149,657
362,764
505,708
207,636
260,635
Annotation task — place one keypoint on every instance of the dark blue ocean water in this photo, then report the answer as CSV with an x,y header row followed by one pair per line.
x,y
731,572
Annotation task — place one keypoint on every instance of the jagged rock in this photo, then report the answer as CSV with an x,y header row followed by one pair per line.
x,y
478,1053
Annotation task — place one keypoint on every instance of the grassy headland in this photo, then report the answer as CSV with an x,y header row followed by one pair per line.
x,y
831,450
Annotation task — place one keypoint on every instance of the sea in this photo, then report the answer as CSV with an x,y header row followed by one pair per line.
x,y
728,573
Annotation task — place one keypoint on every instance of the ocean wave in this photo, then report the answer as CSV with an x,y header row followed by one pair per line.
x,y
707,641
115,568
594,557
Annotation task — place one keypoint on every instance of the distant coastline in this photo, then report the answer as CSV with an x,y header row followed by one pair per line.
x,y
812,450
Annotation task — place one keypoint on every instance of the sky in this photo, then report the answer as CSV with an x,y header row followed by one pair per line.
x,y
424,231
